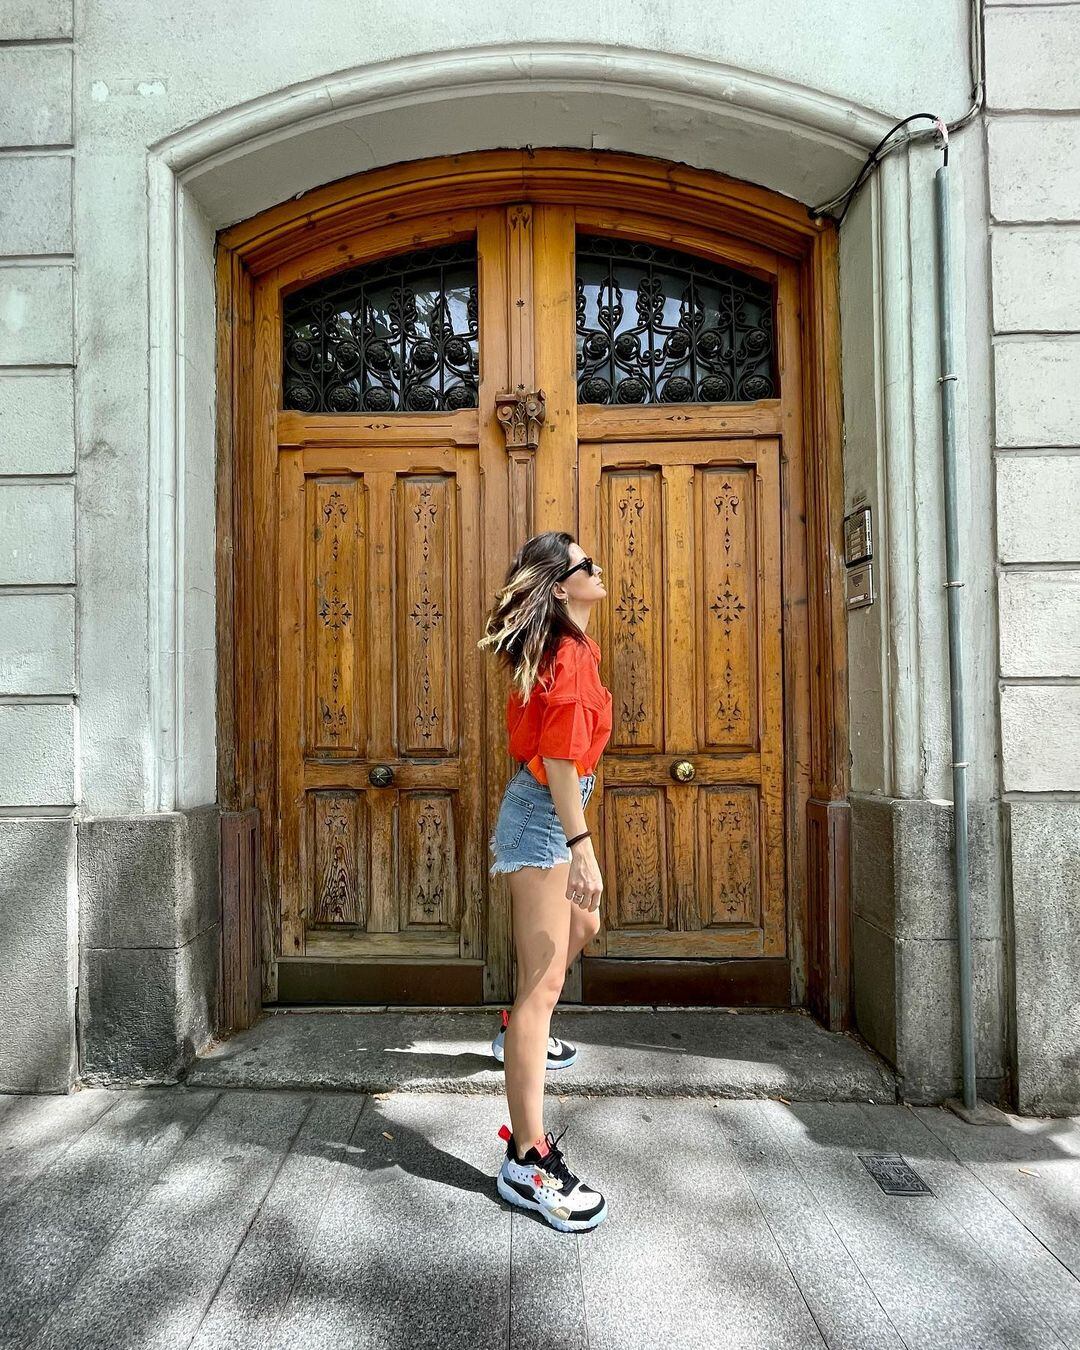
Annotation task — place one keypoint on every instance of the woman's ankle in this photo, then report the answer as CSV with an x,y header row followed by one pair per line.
x,y
539,1143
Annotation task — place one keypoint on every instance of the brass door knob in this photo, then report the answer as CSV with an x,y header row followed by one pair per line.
x,y
382,775
682,771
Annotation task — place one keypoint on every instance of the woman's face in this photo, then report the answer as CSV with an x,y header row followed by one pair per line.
x,y
580,587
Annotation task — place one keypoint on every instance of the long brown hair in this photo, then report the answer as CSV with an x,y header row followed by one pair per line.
x,y
528,620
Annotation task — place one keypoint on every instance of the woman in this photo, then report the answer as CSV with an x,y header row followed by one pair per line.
x,y
558,718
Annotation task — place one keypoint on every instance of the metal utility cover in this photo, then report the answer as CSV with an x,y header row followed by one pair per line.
x,y
860,586
893,1174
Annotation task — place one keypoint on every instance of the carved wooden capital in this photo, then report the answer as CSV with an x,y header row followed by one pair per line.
x,y
521,412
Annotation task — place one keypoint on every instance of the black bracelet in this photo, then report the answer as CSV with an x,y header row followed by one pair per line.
x,y
583,835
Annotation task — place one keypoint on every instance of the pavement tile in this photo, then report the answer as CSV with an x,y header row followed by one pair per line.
x,y
60,1222
272,1220
842,1303
1052,1294
936,1283
684,1258
1031,1168
413,1249
35,1130
249,1305
155,1278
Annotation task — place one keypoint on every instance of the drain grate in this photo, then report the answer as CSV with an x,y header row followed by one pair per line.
x,y
893,1174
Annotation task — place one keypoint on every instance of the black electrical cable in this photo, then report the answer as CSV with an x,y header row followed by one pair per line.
x,y
940,128
869,164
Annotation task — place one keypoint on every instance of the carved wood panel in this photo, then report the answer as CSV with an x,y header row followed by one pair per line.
x,y
429,890
339,830
689,537
426,712
378,702
632,507
730,884
337,539
730,639
640,897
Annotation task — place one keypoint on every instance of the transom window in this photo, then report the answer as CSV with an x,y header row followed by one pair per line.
x,y
657,326
654,326
396,335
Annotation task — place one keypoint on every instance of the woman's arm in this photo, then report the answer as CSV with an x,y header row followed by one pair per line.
x,y
584,877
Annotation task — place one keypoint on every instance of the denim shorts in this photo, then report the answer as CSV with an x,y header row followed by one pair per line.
x,y
528,832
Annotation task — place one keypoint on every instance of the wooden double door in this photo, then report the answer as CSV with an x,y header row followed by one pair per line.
x,y
435,390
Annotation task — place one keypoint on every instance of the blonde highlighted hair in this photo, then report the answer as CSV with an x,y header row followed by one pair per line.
x,y
528,620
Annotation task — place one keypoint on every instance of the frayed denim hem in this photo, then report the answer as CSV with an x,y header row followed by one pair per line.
x,y
503,865
498,868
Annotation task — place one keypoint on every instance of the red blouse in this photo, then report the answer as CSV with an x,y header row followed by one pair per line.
x,y
568,717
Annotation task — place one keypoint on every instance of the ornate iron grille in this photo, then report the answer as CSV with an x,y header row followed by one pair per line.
x,y
397,335
656,326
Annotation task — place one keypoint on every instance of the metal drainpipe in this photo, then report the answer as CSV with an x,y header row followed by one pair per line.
x,y
953,584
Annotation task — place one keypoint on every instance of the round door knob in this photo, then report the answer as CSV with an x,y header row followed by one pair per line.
x,y
682,771
382,775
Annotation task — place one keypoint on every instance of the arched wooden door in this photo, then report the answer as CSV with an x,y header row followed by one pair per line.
x,y
429,388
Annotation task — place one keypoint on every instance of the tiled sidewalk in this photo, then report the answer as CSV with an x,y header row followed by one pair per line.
x,y
196,1217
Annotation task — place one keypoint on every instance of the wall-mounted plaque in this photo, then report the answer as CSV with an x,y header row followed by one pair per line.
x,y
860,586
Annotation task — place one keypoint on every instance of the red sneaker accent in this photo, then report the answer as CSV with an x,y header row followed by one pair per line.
x,y
504,1134
538,1178
505,1018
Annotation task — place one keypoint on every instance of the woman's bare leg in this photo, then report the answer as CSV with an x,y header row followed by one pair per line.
x,y
584,926
541,935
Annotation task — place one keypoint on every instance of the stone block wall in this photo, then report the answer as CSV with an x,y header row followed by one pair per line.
x,y
38,565
904,937
1033,141
149,916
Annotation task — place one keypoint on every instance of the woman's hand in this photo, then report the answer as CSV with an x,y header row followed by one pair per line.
x,y
584,885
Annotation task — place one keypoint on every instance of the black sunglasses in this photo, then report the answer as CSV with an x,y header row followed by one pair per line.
x,y
585,562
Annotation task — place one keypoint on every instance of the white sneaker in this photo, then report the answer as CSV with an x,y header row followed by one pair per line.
x,y
560,1054
545,1184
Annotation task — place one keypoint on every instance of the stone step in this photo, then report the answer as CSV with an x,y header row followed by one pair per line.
x,y
660,1052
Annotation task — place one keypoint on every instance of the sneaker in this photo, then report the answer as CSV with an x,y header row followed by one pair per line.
x,y
560,1054
543,1182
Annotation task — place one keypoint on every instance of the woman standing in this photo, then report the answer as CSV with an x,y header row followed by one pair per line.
x,y
558,719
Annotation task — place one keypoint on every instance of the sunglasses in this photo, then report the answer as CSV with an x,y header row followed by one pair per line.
x,y
585,562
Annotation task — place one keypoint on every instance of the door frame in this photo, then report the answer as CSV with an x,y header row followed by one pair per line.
x,y
739,217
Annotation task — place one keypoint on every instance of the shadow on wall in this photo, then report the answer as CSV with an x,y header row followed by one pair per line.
x,y
37,955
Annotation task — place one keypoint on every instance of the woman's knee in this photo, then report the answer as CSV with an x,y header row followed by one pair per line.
x,y
544,990
589,922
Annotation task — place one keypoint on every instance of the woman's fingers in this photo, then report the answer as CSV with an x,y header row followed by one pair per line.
x,y
585,893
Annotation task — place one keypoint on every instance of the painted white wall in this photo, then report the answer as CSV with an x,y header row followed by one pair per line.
x,y
190,117
1033,135
39,718
785,95
239,115
898,648
1034,139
